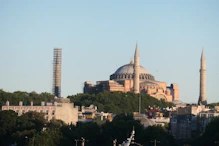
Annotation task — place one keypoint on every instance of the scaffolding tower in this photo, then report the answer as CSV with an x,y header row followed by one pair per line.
x,y
57,65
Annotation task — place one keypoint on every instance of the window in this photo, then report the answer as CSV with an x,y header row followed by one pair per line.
x,y
47,112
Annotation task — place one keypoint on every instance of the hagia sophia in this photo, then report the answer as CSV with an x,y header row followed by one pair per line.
x,y
135,78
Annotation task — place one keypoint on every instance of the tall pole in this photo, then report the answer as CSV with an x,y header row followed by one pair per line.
x,y
83,141
155,142
139,104
114,142
76,142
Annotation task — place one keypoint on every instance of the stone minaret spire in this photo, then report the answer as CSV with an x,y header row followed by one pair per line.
x,y
202,95
136,70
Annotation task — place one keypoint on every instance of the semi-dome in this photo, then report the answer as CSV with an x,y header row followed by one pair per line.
x,y
148,83
177,102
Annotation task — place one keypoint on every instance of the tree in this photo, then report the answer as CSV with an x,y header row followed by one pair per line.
x,y
120,128
157,133
8,123
55,124
117,102
26,97
37,119
50,137
24,130
210,135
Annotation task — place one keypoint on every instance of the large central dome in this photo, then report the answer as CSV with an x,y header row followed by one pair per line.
x,y
129,69
127,72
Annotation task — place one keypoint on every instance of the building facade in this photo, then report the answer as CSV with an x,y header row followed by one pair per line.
x,y
135,78
205,117
59,109
187,122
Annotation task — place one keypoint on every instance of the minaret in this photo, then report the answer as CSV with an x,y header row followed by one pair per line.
x,y
136,70
202,95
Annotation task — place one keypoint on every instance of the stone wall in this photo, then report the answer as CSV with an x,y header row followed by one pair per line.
x,y
67,113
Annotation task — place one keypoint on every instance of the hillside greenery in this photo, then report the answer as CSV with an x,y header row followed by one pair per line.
x,y
26,97
118,102
114,102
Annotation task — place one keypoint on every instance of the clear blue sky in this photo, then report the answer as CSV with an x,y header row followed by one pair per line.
x,y
98,36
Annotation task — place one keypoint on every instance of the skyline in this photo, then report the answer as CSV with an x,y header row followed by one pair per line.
x,y
98,37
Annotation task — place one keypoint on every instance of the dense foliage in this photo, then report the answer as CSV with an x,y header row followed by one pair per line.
x,y
19,129
26,97
117,102
210,137
27,130
212,105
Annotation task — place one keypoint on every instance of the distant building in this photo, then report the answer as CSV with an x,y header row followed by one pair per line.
x,y
90,113
185,122
205,117
146,122
60,109
158,116
57,66
134,78
191,109
183,126
87,114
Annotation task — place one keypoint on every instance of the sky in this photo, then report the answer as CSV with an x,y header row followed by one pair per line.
x,y
97,37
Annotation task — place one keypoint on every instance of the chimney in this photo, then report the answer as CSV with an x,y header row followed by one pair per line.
x,y
42,103
7,103
20,103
